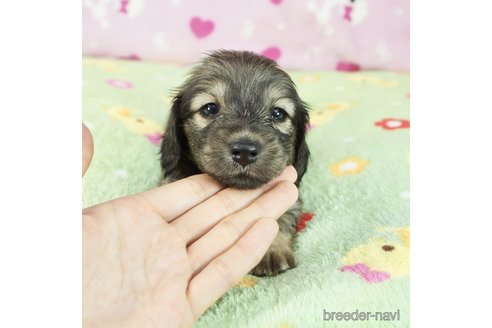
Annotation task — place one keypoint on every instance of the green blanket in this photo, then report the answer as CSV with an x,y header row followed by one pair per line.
x,y
353,242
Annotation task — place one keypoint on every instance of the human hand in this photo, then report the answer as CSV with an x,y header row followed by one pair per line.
x,y
162,257
87,148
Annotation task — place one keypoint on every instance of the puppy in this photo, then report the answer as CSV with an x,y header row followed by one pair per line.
x,y
239,118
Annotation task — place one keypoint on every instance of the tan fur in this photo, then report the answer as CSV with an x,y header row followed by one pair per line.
x,y
287,105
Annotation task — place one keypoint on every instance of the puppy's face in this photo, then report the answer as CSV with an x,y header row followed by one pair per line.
x,y
239,119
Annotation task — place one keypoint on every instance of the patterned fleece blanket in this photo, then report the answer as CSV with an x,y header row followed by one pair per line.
x,y
353,242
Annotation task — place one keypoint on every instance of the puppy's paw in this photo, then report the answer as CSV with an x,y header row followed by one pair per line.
x,y
275,261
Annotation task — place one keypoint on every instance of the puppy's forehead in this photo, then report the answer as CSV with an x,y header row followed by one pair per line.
x,y
246,69
243,85
211,93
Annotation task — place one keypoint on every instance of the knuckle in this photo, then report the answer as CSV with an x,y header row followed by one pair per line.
x,y
249,252
198,188
258,207
224,271
195,258
226,202
232,229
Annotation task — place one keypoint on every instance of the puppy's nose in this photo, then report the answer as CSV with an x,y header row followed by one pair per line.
x,y
245,152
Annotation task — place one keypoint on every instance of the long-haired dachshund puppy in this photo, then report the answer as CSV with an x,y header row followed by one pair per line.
x,y
239,118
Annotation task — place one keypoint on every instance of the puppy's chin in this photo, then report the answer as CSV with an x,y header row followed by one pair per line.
x,y
231,174
241,181
239,178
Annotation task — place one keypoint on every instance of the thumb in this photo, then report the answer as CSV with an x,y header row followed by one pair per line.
x,y
87,148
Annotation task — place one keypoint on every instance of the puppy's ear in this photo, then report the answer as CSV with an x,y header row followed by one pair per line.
x,y
172,143
301,159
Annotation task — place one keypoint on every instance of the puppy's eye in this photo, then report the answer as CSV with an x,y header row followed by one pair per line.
x,y
278,114
210,109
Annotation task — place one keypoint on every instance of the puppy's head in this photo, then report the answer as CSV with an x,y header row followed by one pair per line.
x,y
238,118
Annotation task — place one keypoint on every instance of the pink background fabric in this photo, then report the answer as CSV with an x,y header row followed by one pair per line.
x,y
340,35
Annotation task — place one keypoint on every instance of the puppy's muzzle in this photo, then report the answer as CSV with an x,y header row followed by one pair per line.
x,y
245,152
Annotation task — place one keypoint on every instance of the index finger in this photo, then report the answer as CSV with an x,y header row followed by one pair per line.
x,y
173,199
201,218
227,269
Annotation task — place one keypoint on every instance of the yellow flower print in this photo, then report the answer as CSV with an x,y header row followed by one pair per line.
x,y
309,78
136,124
327,113
247,281
104,65
348,166
284,324
374,81
110,67
402,232
380,259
